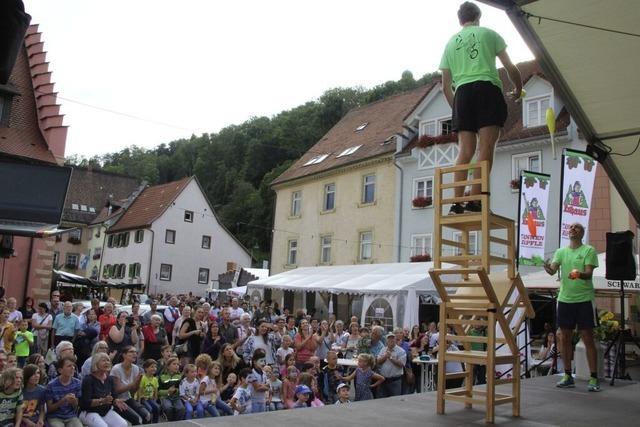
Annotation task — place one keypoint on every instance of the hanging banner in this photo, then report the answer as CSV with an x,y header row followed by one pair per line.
x,y
578,176
532,222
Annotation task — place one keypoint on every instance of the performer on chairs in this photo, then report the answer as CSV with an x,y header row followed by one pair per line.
x,y
479,109
576,302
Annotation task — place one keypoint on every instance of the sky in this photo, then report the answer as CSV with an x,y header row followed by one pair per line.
x,y
147,72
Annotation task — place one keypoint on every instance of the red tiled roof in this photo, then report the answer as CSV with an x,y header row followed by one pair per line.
x,y
149,205
513,128
384,119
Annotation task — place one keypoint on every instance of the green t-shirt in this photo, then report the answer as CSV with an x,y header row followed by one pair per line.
x,y
22,342
477,346
470,55
575,290
148,387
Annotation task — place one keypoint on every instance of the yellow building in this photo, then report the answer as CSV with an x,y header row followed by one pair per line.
x,y
335,205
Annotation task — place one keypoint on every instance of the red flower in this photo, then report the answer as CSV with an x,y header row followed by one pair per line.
x,y
420,258
422,202
515,184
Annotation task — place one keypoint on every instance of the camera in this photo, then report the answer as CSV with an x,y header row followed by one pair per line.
x,y
130,321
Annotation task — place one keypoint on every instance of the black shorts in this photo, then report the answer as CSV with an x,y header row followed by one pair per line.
x,y
582,314
477,105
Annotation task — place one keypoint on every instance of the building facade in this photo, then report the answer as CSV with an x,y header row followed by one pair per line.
x,y
170,240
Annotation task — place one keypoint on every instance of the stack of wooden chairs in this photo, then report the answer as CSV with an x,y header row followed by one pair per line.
x,y
474,295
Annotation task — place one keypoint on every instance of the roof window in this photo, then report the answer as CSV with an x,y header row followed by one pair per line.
x,y
362,126
317,159
349,151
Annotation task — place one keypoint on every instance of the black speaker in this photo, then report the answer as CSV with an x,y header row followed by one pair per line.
x,y
621,264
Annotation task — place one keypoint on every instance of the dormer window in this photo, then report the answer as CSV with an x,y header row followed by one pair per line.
x,y
436,127
362,126
316,159
535,110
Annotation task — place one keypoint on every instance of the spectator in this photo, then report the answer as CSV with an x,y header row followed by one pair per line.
x,y
391,361
169,391
341,337
148,391
122,335
364,376
268,339
55,307
28,309
154,338
171,315
258,382
343,394
107,319
77,309
305,344
62,395
99,347
41,323
65,325
241,400
235,312
377,344
23,342
95,305
274,400
228,331
153,310
245,330
33,396
213,341
38,360
189,387
63,349
15,315
3,360
324,337
7,331
352,342
126,381
331,375
191,334
303,394
12,406
87,337
99,397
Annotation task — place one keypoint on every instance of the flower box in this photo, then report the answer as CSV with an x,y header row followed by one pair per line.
x,y
74,240
422,202
421,258
515,184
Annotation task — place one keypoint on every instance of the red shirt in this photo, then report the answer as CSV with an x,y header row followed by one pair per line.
x,y
106,322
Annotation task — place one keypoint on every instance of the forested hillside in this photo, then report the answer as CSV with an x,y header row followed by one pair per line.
x,y
236,165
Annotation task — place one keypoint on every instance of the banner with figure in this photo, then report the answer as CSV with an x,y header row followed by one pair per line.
x,y
578,177
532,221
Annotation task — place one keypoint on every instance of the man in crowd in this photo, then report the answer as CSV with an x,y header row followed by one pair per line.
x,y
153,309
15,316
377,345
66,325
235,312
171,314
576,301
55,307
391,360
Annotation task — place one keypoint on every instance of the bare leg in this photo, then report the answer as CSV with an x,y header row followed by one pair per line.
x,y
467,148
488,137
567,348
590,346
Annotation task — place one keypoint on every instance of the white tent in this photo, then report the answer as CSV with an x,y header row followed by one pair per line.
x,y
541,280
400,284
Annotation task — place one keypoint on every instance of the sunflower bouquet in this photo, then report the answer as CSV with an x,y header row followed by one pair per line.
x,y
607,328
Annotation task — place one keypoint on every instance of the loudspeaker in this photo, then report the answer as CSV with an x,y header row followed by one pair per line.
x,y
621,264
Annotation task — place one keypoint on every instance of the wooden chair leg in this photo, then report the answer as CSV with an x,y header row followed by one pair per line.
x,y
468,384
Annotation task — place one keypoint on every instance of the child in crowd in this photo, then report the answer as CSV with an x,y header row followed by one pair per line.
x,y
241,400
189,393
308,379
148,390
229,388
289,360
284,350
303,394
258,382
221,405
331,375
275,389
32,397
208,392
12,360
23,342
166,352
343,394
289,387
11,397
38,360
168,391
364,375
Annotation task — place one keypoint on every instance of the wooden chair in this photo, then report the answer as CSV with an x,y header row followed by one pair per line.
x,y
472,296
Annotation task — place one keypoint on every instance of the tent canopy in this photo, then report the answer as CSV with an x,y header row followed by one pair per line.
x,y
589,50
541,280
74,279
359,279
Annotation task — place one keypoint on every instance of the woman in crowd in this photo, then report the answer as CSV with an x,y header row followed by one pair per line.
x,y
213,341
38,360
122,335
324,337
191,334
99,347
41,322
28,309
126,381
98,397
266,340
155,337
230,361
352,341
107,320
305,343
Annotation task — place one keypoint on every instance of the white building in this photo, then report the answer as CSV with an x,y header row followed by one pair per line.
x,y
170,240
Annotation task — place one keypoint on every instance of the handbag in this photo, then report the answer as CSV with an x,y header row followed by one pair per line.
x,y
183,348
